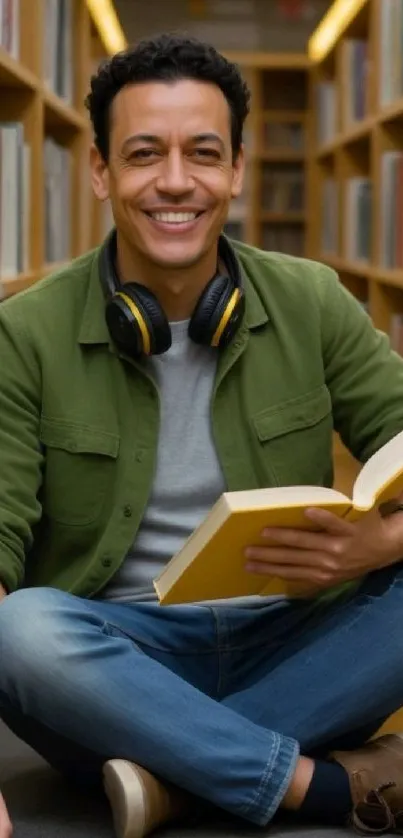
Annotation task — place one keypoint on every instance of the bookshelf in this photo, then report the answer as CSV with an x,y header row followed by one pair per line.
x,y
271,211
355,166
46,205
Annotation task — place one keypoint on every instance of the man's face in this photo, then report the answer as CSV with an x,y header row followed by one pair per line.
x,y
170,175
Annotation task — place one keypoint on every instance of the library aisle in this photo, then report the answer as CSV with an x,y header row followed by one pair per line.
x,y
324,149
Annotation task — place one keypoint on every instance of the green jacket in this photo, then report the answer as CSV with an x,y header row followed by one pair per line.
x,y
79,422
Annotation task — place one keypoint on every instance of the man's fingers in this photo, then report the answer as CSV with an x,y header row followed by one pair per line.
x,y
287,557
6,828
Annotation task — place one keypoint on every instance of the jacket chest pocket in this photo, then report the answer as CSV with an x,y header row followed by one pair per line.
x,y
295,439
79,468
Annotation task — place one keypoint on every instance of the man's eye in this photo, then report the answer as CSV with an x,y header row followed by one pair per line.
x,y
208,153
143,153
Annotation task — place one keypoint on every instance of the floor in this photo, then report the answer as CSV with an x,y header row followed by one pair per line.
x,y
42,806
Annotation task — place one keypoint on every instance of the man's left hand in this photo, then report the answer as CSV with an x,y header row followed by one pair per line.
x,y
339,552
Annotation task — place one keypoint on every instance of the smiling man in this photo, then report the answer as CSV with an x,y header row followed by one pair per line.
x,y
138,384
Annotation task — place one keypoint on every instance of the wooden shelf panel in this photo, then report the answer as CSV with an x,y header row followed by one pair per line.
x,y
14,74
13,285
281,156
344,266
59,114
282,116
268,217
270,61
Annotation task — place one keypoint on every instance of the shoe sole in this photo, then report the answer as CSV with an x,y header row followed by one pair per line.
x,y
125,792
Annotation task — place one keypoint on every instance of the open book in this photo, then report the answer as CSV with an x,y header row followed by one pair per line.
x,y
211,564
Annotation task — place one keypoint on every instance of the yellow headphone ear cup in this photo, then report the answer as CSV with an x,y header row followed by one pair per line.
x,y
229,310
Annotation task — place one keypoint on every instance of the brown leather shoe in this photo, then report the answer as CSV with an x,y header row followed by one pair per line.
x,y
376,782
140,803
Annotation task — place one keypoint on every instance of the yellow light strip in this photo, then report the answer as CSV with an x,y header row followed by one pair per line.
x,y
107,22
332,26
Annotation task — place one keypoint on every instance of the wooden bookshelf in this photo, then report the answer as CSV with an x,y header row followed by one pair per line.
x,y
28,97
355,119
271,212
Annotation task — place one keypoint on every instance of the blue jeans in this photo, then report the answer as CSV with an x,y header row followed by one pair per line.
x,y
218,700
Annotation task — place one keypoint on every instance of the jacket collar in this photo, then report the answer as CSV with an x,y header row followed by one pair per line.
x,y
94,330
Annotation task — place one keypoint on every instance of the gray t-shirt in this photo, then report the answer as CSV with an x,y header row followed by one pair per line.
x,y
188,478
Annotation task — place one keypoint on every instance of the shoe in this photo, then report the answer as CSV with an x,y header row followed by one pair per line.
x,y
140,803
376,783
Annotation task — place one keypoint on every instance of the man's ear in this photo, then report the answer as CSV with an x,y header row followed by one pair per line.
x,y
238,171
99,174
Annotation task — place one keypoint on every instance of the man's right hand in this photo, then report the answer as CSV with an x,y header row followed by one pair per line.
x,y
3,593
6,829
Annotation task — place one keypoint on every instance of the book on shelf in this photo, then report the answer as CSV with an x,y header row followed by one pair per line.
x,y
57,171
396,332
283,187
355,102
391,51
287,239
392,209
289,136
330,216
10,27
326,109
15,194
357,219
58,57
211,563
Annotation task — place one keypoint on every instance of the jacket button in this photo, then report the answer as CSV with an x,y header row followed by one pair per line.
x,y
106,561
127,511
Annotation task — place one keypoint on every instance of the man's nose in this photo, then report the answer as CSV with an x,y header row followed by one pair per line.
x,y
175,178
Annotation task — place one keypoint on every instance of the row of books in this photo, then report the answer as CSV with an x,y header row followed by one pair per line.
x,y
15,200
10,26
358,213
58,56
354,101
288,239
284,135
283,188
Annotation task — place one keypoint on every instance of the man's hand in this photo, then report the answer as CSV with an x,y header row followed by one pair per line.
x,y
3,593
5,823
339,552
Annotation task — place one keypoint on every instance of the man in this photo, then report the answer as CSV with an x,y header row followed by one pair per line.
x,y
136,386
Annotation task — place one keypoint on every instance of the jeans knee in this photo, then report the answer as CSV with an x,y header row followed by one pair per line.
x,y
28,634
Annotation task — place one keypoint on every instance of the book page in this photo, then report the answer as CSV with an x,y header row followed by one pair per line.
x,y
281,496
379,473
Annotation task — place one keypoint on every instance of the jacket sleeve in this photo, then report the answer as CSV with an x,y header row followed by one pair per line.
x,y
364,375
20,456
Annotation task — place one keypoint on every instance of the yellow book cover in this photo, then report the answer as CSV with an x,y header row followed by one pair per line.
x,y
211,564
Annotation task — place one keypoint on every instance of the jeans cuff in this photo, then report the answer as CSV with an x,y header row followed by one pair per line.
x,y
275,781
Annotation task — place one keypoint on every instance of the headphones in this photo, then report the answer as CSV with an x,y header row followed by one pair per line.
x,y
138,325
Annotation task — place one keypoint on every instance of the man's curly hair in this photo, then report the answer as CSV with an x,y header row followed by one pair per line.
x,y
166,58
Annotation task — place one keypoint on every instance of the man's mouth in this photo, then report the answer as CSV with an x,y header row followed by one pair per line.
x,y
174,217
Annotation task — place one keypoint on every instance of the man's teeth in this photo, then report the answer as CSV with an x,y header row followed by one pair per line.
x,y
174,217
